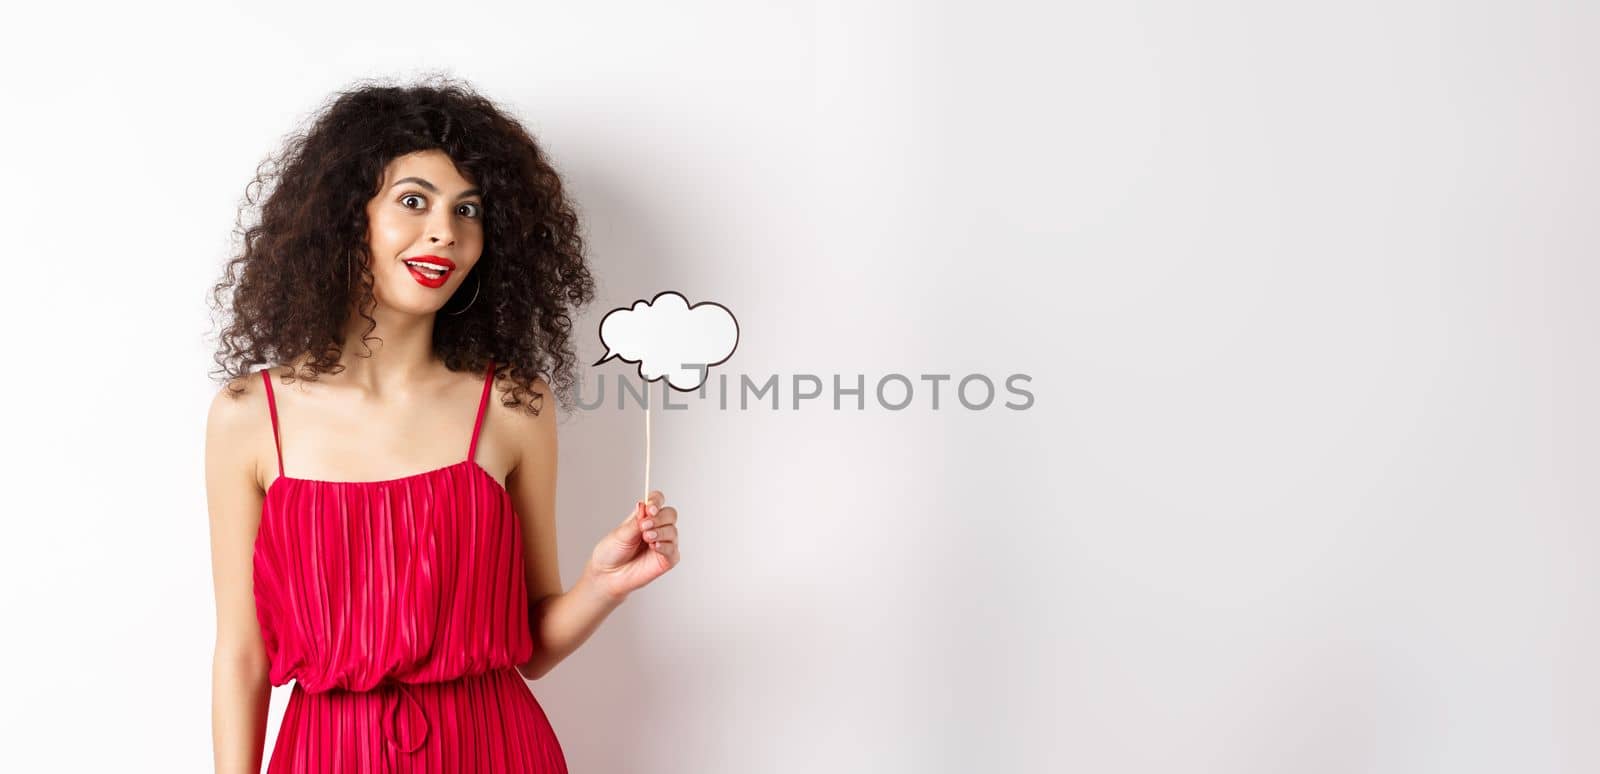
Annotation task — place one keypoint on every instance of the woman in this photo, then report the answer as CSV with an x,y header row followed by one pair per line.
x,y
414,259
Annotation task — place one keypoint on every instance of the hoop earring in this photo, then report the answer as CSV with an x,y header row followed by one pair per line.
x,y
474,300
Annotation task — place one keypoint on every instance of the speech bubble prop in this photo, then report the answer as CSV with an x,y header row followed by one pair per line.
x,y
670,339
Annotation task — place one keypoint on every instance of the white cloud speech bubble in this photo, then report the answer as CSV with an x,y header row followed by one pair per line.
x,y
665,333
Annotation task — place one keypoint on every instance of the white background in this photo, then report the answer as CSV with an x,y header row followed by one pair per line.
x,y
1306,292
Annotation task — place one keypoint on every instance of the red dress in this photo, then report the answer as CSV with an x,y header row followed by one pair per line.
x,y
399,609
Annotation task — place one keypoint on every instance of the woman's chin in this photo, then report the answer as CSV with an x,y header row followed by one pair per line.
x,y
418,301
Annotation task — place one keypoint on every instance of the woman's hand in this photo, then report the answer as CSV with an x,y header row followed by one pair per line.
x,y
640,550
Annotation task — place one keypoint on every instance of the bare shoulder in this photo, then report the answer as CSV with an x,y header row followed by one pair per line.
x,y
234,426
521,416
230,405
532,436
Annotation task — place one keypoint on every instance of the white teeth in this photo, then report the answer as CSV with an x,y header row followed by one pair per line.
x,y
425,265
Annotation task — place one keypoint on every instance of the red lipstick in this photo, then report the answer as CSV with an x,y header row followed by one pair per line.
x,y
434,271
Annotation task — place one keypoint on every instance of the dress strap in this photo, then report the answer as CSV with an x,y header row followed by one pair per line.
x,y
272,406
483,403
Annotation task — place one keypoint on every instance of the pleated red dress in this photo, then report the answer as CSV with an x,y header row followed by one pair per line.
x,y
399,609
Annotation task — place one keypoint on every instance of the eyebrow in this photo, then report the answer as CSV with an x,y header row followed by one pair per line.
x,y
432,189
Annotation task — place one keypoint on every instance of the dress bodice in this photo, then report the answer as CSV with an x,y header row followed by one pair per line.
x,y
412,579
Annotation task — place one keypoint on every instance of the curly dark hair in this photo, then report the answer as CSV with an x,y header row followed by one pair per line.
x,y
300,269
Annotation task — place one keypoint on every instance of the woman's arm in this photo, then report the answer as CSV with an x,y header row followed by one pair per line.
x,y
561,621
240,689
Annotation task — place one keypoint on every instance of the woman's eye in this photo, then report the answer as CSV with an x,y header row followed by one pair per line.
x,y
474,211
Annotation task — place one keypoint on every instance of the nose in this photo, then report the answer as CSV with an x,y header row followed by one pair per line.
x,y
441,229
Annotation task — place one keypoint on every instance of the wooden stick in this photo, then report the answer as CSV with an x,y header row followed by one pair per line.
x,y
647,445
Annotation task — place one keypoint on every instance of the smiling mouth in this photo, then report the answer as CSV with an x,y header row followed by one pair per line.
x,y
429,269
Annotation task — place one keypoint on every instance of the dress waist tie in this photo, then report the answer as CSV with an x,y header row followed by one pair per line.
x,y
390,730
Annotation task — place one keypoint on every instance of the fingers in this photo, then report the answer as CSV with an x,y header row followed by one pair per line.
x,y
662,518
669,550
660,530
657,525
652,506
